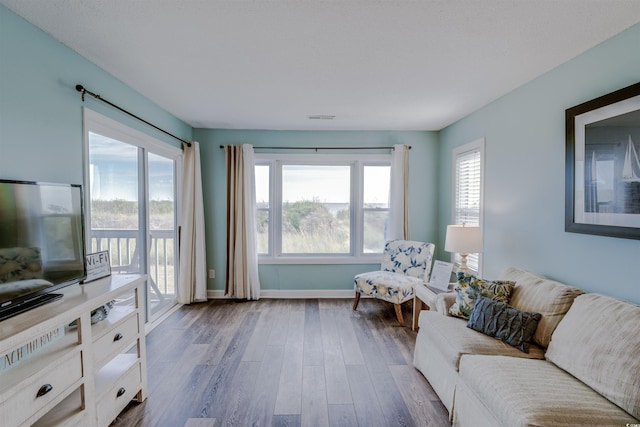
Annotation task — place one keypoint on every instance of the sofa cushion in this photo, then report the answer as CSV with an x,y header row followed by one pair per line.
x,y
469,287
598,342
538,294
453,339
524,392
508,324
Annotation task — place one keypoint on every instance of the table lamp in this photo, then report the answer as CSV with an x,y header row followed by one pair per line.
x,y
465,240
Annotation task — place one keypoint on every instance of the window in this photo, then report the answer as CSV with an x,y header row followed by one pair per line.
x,y
467,200
321,208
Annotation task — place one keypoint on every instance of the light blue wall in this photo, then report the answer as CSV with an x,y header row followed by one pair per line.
x,y
524,174
41,112
422,187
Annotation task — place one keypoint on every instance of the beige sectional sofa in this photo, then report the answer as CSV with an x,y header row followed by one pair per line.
x,y
583,366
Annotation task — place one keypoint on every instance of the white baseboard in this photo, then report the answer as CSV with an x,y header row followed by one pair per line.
x,y
292,293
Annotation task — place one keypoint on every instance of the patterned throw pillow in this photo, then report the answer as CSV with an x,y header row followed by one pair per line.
x,y
508,324
469,287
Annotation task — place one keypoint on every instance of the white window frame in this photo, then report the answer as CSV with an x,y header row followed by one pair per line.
x,y
357,163
476,146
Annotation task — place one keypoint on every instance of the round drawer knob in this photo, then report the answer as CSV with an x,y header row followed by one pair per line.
x,y
121,391
44,390
118,337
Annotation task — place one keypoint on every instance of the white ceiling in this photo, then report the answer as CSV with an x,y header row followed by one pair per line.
x,y
375,65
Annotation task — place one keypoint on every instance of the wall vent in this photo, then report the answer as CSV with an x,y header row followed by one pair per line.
x,y
321,117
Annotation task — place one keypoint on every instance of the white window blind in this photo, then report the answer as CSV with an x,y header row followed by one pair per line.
x,y
467,202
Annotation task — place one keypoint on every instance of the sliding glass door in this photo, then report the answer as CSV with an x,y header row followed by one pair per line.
x,y
162,234
132,209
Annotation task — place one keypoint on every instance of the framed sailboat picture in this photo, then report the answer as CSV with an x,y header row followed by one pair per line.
x,y
602,189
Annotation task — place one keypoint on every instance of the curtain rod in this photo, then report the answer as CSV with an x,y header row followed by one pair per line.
x,y
84,90
323,148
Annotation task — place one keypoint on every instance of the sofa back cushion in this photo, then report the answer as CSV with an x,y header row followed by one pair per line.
x,y
598,343
538,294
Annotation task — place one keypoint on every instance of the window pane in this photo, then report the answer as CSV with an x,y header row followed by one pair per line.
x,y
376,186
262,224
376,181
262,186
468,188
316,209
374,227
114,183
162,232
467,196
262,173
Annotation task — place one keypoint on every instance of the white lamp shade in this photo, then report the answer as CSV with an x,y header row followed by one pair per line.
x,y
463,239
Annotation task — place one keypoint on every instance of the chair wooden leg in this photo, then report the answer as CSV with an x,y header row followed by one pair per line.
x,y
356,301
398,308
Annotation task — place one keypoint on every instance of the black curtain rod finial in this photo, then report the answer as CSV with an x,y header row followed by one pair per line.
x,y
82,90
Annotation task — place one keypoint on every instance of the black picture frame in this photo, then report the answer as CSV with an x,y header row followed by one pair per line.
x,y
602,181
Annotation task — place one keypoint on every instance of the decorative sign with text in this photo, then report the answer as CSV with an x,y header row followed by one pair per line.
x,y
440,275
17,355
97,266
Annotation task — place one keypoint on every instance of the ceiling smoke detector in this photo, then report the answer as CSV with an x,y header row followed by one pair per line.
x,y
321,117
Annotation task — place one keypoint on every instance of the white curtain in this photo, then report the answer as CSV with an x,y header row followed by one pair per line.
x,y
398,227
192,281
242,254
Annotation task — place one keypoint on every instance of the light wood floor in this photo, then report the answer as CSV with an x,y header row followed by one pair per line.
x,y
284,363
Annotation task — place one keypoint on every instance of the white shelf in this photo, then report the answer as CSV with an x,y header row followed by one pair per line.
x,y
67,413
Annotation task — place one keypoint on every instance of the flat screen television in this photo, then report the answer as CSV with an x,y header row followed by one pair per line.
x,y
41,243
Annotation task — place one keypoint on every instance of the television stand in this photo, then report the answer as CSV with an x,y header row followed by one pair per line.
x,y
27,305
59,369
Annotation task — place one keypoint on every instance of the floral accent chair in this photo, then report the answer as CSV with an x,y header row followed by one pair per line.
x,y
405,264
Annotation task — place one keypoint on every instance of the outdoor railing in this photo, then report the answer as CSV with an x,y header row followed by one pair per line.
x,y
125,258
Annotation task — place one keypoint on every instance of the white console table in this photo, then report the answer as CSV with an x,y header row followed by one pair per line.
x,y
58,369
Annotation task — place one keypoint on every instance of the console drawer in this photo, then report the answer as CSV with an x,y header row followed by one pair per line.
x,y
119,339
42,388
114,400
